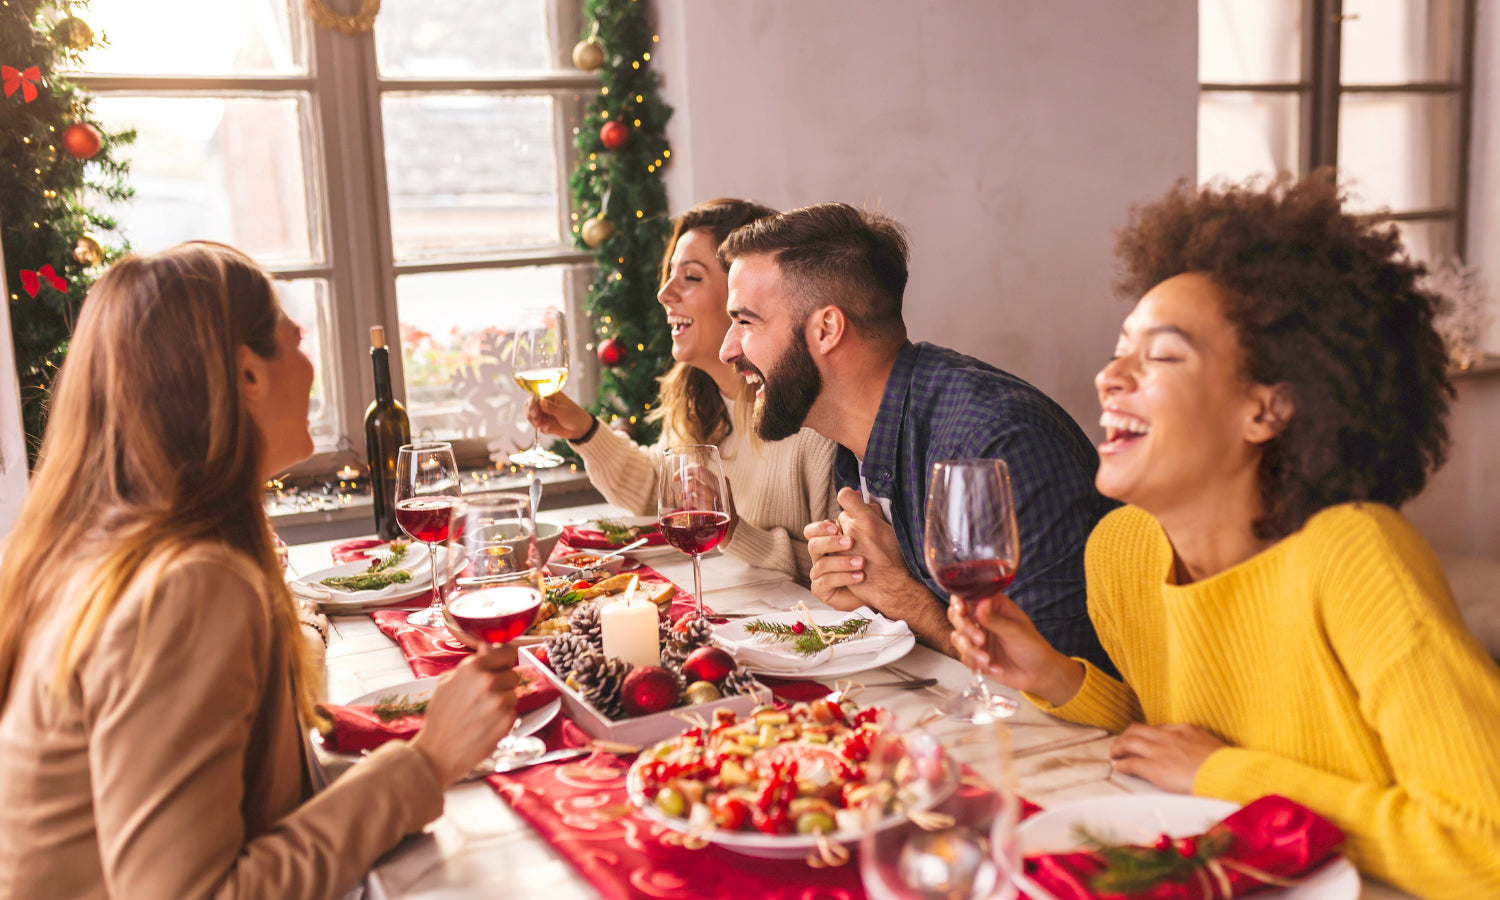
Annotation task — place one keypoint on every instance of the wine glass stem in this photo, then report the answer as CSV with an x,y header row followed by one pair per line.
x,y
977,687
437,597
697,588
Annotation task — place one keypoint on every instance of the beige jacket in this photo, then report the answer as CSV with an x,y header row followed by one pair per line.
x,y
174,768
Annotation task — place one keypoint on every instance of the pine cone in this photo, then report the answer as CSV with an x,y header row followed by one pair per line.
x,y
585,623
564,649
599,680
698,633
740,681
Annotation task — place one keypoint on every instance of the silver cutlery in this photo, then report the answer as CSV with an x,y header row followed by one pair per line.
x,y
909,684
553,756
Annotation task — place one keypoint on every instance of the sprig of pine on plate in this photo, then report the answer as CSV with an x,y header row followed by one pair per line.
x,y
382,572
1131,868
398,706
617,531
807,638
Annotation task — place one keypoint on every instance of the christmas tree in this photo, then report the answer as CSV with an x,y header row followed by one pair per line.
x,y
620,209
55,158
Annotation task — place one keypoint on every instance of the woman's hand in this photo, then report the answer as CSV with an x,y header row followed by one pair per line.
x,y
471,709
1168,756
559,415
996,637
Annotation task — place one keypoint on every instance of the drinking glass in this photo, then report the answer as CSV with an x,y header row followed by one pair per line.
x,y
499,600
949,832
539,363
426,492
972,547
692,505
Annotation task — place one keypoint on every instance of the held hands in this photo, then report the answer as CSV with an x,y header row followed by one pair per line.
x,y
996,637
472,708
1168,756
559,415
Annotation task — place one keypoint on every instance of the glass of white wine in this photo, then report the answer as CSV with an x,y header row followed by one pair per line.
x,y
539,363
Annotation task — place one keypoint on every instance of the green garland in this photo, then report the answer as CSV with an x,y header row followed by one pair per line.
x,y
42,188
625,187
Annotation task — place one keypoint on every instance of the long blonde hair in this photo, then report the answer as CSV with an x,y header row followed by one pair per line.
x,y
149,451
690,403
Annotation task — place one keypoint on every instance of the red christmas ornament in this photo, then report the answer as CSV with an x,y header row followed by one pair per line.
x,y
611,351
707,664
648,689
614,135
82,140
541,655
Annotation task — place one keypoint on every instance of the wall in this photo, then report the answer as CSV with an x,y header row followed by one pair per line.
x,y
1460,510
1009,136
12,436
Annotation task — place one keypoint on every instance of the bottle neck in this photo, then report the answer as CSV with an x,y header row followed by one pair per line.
x,y
381,358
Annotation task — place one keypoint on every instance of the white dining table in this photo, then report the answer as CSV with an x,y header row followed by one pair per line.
x,y
481,848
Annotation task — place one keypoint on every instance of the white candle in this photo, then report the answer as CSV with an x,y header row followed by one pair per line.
x,y
628,629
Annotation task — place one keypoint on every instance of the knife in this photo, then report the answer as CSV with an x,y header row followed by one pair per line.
x,y
513,765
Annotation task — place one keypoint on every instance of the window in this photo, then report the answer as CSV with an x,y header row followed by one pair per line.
x,y
1380,88
414,175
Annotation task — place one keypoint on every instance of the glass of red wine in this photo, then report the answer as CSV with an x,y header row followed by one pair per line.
x,y
497,603
426,494
972,547
692,505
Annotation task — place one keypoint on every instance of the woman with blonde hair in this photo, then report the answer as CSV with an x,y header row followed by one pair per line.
x,y
152,695
778,488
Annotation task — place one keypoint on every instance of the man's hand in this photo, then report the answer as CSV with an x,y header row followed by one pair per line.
x,y
1168,756
857,562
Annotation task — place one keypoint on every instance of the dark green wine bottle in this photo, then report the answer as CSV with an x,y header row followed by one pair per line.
x,y
386,429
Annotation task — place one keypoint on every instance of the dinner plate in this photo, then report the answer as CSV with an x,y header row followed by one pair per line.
x,y
846,662
1140,818
332,599
419,688
640,553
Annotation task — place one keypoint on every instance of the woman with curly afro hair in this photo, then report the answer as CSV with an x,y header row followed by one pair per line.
x,y
1279,627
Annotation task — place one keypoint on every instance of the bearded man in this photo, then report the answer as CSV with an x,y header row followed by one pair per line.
x,y
815,302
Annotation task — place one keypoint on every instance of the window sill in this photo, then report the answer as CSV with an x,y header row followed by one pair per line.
x,y
1488,366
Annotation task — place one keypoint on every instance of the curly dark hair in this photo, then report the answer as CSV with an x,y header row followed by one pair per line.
x,y
1329,305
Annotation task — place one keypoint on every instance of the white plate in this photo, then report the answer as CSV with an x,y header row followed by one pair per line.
x,y
1140,818
639,553
332,599
419,688
843,664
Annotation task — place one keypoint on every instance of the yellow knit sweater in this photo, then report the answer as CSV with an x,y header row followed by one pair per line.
x,y
1336,665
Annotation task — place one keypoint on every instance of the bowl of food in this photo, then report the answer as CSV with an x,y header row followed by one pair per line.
x,y
586,562
788,784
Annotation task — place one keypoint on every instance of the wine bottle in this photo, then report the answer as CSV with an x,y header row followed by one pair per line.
x,y
386,429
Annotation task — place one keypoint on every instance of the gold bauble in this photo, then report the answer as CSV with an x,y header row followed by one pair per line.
x,y
701,692
73,33
596,231
88,251
588,55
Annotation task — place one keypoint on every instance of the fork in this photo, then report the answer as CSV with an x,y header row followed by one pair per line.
x,y
934,687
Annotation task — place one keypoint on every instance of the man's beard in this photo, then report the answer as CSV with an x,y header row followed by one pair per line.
x,y
790,390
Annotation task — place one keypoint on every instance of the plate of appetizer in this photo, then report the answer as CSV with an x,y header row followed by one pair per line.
x,y
390,574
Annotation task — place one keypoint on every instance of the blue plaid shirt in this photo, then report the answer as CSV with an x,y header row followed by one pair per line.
x,y
940,404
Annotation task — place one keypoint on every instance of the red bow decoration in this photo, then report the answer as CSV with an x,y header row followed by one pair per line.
x,y
26,81
32,281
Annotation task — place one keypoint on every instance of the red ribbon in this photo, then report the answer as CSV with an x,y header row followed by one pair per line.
x,y
24,80
32,281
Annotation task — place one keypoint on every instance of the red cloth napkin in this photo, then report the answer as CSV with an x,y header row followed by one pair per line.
x,y
581,538
356,727
1272,835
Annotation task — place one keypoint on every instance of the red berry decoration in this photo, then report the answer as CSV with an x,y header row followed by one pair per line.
x,y
1163,843
799,627
611,351
1187,848
82,140
648,689
614,135
707,664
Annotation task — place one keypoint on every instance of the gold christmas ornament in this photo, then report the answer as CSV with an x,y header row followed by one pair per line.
x,y
588,54
88,251
73,33
360,22
596,231
701,692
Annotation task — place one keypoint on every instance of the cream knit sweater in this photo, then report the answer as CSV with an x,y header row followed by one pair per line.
x,y
778,488
1336,665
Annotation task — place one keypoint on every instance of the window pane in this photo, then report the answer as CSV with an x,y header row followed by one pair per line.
x,y
470,171
1249,41
1400,41
1242,134
1398,150
1429,241
225,169
193,37
455,351
305,301
458,38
